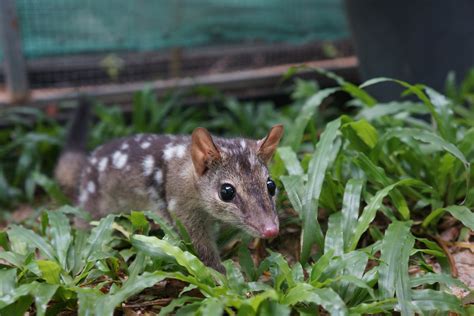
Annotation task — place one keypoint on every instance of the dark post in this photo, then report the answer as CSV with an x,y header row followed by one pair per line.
x,y
13,61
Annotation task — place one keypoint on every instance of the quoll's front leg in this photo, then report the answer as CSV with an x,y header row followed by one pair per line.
x,y
199,228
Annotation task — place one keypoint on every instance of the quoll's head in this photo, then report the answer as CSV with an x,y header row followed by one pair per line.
x,y
233,180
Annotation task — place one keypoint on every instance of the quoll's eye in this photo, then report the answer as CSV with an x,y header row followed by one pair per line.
x,y
271,186
227,192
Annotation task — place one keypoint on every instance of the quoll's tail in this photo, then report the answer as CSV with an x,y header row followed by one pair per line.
x,y
74,154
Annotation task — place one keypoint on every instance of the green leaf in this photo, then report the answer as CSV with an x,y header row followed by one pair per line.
x,y
325,297
153,246
139,222
211,306
325,150
431,278
294,187
51,187
7,281
390,109
461,213
430,300
418,92
350,208
106,304
246,262
368,214
290,160
321,265
177,302
334,239
393,270
31,239
362,135
295,135
50,271
42,294
382,306
377,175
99,237
61,235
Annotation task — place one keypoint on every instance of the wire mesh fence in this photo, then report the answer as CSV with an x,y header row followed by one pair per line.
x,y
88,42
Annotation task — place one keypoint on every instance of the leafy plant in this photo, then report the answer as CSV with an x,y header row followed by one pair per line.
x,y
366,192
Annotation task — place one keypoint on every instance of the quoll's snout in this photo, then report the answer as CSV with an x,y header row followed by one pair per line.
x,y
270,231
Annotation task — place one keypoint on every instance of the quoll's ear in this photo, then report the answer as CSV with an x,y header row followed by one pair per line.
x,y
203,150
269,144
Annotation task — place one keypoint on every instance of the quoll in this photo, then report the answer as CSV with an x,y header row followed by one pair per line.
x,y
198,179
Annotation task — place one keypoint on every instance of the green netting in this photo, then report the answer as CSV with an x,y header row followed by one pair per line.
x,y
59,27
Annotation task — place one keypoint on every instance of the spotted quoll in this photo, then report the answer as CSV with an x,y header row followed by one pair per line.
x,y
198,179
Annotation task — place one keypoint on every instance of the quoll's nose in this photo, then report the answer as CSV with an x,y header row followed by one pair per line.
x,y
270,231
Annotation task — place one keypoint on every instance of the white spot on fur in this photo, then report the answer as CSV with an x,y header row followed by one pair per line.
x,y
91,187
243,144
171,151
88,170
83,197
148,165
145,145
172,205
124,146
103,164
119,159
159,176
93,160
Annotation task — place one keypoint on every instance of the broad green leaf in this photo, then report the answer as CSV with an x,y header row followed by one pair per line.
x,y
350,208
167,228
368,214
61,235
246,262
381,306
318,165
7,281
430,300
176,303
280,270
290,160
88,300
418,92
50,271
461,213
43,293
139,222
272,308
99,237
12,258
294,187
50,186
377,175
211,306
393,269
390,109
106,304
362,135
31,239
295,134
235,277
325,297
334,239
431,278
153,245
321,265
